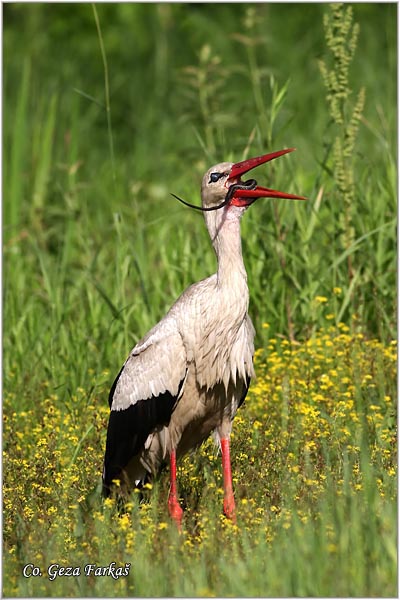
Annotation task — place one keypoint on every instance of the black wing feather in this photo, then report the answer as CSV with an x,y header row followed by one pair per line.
x,y
128,430
114,385
248,380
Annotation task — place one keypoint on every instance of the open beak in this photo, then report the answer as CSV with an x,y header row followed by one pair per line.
x,y
243,196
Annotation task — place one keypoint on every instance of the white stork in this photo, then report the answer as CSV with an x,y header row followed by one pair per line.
x,y
188,376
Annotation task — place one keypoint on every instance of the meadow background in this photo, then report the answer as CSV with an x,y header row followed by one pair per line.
x,y
106,110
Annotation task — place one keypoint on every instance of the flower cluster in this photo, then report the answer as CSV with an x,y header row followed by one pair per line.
x,y
320,416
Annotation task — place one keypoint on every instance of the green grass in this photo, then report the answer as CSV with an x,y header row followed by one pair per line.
x,y
96,250
314,466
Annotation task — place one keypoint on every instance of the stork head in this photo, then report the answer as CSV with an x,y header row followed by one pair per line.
x,y
222,184
224,194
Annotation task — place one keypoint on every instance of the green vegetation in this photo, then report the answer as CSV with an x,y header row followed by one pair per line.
x,y
107,110
314,463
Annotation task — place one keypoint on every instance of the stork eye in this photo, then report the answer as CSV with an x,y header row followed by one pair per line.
x,y
215,176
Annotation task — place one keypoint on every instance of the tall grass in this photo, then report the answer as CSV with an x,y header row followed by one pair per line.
x,y
287,271
96,250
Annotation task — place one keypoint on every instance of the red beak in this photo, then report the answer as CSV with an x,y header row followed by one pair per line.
x,y
243,197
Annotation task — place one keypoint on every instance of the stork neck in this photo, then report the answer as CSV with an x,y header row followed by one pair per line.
x,y
228,248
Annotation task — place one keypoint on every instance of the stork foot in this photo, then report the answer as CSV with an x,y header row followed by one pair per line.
x,y
175,511
174,508
229,508
229,500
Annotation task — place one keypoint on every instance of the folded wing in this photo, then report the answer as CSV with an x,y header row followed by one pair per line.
x,y
143,396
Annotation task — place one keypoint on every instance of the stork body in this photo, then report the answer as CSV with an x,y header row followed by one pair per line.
x,y
187,377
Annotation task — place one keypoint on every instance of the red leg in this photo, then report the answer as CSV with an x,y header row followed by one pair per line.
x,y
229,500
174,508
